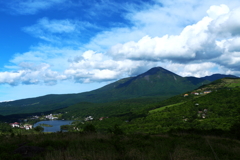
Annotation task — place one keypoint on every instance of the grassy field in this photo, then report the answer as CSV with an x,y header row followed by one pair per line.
x,y
233,83
162,108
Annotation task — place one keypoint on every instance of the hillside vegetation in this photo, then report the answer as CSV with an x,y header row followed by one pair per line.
x,y
218,110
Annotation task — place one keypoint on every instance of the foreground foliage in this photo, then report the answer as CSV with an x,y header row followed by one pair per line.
x,y
96,146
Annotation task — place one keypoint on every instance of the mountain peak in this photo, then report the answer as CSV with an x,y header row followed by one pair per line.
x,y
156,70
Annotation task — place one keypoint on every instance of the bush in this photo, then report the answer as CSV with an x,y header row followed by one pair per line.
x,y
89,128
38,129
116,130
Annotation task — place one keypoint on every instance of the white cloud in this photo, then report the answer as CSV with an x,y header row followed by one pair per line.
x,y
189,45
92,66
198,70
54,30
56,57
194,69
94,75
227,25
202,41
102,41
61,32
49,65
215,11
11,78
232,45
31,74
57,26
33,6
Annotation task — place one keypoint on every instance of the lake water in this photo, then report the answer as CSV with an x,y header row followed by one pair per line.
x,y
54,123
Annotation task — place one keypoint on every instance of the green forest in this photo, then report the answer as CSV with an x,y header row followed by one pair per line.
x,y
215,111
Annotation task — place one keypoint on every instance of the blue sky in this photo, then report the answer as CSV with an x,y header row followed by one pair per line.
x,y
72,46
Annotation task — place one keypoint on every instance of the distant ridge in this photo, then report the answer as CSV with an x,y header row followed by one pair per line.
x,y
197,81
218,76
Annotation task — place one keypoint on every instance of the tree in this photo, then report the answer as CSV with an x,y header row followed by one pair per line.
x,y
39,128
116,130
4,127
89,128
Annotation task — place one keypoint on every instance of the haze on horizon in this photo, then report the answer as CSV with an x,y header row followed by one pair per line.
x,y
72,46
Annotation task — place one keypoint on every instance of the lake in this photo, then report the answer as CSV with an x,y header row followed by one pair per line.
x,y
54,123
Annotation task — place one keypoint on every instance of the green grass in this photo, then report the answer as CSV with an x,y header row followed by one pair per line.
x,y
221,83
162,108
234,83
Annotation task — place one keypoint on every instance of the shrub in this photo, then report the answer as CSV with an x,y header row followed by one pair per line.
x,y
89,128
38,129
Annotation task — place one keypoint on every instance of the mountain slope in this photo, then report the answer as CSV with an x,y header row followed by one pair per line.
x,y
155,82
217,112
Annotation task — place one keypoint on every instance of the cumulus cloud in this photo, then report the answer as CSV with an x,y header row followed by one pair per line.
x,y
227,25
11,78
92,66
215,11
232,44
193,42
212,39
31,74
54,56
46,66
199,69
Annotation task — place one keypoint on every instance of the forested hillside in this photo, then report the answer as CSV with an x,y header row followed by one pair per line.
x,y
212,107
217,110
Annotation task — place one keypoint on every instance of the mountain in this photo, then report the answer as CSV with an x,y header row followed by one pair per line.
x,y
155,82
218,76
